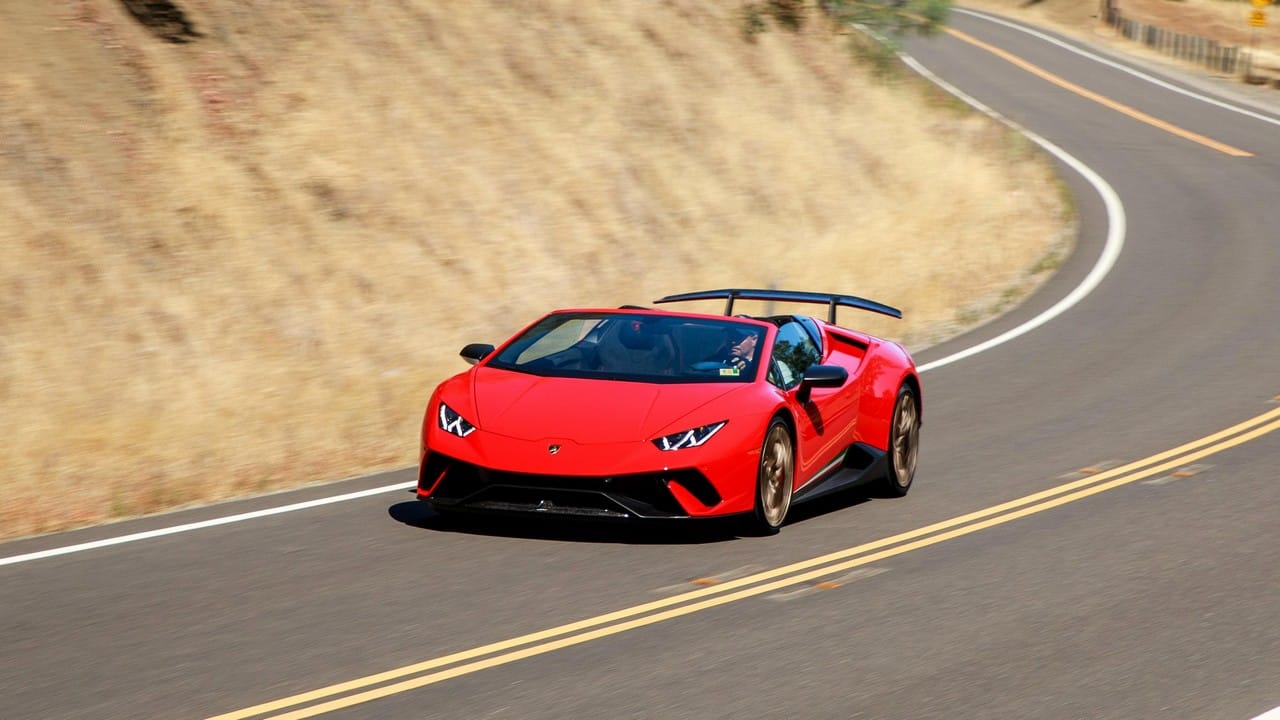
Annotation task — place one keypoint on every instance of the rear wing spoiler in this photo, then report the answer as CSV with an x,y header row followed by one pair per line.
x,y
830,300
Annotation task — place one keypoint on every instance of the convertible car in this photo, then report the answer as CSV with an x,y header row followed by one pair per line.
x,y
638,412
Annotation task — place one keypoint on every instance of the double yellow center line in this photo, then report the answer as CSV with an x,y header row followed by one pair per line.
x,y
410,677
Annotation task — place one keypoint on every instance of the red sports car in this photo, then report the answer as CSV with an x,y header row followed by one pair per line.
x,y
646,413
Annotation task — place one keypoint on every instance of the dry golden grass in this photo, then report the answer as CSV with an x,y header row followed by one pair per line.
x,y
242,263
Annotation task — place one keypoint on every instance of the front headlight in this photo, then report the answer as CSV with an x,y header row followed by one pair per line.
x,y
453,423
689,438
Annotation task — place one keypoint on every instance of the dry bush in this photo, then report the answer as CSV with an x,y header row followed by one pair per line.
x,y
242,262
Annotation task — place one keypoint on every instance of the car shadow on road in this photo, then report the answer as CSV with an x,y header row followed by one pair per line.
x,y
632,532
827,504
560,529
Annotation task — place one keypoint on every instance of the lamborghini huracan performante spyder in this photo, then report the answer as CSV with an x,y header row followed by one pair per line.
x,y
645,413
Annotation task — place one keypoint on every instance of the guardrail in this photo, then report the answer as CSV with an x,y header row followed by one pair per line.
x,y
1193,48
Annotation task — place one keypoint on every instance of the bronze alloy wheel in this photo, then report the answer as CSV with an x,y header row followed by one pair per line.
x,y
776,477
904,442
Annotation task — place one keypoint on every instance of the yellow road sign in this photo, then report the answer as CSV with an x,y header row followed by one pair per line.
x,y
1258,18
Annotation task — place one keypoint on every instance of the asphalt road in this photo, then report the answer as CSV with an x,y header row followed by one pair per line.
x,y
1143,590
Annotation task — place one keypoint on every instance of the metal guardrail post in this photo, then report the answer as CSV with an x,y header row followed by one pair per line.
x,y
1184,46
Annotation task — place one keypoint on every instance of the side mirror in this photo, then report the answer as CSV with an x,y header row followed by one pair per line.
x,y
820,376
475,352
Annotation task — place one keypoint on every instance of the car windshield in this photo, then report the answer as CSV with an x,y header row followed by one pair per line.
x,y
637,347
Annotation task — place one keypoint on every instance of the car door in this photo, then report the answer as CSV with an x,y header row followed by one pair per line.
x,y
823,419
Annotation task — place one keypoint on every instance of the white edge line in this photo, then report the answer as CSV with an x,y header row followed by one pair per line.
x,y
173,530
1120,66
1272,714
1114,243
1115,231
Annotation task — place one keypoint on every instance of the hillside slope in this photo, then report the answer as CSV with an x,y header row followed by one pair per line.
x,y
242,261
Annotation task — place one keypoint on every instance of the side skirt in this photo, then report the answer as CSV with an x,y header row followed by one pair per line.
x,y
859,463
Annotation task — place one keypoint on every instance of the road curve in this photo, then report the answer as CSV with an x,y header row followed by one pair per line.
x,y
1092,533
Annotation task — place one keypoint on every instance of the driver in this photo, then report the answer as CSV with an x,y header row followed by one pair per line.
x,y
738,350
743,351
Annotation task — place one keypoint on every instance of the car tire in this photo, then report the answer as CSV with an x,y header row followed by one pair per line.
x,y
904,443
775,478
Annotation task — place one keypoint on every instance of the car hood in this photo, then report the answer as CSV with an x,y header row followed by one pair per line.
x,y
533,407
